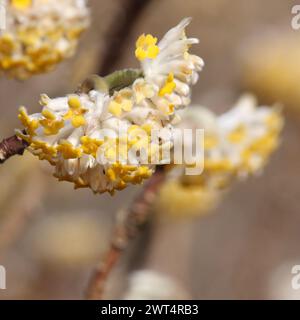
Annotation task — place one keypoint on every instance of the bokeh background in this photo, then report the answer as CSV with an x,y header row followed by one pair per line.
x,y
51,237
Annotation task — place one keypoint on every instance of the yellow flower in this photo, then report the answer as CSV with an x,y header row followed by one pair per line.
x,y
238,134
122,101
142,90
169,85
76,112
90,145
50,124
257,154
210,141
7,44
109,149
30,125
21,4
166,107
222,165
179,200
29,48
68,151
127,174
146,47
43,150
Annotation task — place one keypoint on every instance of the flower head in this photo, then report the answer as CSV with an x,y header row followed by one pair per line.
x,y
180,201
104,141
39,34
146,47
174,69
237,143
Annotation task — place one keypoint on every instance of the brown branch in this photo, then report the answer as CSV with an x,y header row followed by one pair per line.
x,y
116,38
11,146
127,228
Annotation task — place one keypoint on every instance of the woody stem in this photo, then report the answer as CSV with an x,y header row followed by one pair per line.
x,y
10,147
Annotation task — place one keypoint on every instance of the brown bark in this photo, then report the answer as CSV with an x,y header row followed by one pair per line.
x,y
126,229
11,146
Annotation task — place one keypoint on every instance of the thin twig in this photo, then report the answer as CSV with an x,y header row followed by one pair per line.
x,y
10,147
127,228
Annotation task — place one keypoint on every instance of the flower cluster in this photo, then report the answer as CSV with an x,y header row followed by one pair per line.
x,y
237,143
102,139
243,138
271,69
39,34
179,200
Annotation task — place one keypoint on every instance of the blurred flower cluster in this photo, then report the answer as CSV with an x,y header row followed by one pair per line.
x,y
39,34
271,69
152,285
237,144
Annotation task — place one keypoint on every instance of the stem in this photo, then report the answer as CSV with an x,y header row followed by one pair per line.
x,y
130,225
11,146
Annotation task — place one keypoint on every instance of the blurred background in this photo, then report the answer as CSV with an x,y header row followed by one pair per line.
x,y
51,237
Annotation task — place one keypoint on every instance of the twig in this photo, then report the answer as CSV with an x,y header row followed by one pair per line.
x,y
11,146
127,228
122,24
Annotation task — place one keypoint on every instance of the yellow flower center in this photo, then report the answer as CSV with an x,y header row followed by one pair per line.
x,y
7,44
124,174
166,107
238,134
68,151
122,101
169,85
21,4
210,141
50,124
30,125
142,90
43,150
90,145
218,166
76,112
146,47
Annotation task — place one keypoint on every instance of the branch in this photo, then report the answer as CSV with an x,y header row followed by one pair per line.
x,y
11,146
127,228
